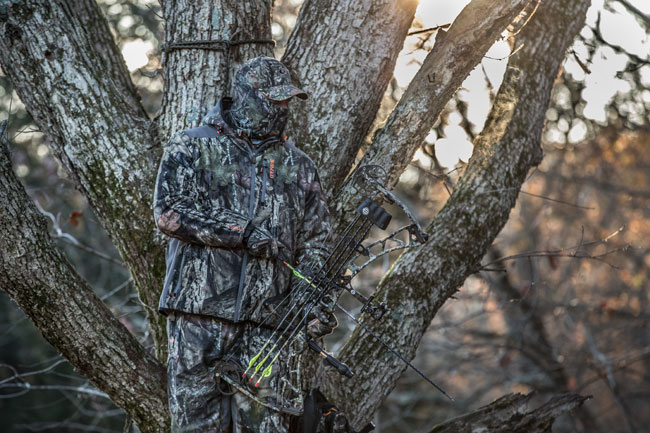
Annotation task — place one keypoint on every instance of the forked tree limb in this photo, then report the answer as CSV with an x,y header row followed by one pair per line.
x,y
35,273
423,279
509,414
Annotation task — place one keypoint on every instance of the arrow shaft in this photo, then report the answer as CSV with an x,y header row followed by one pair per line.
x,y
314,296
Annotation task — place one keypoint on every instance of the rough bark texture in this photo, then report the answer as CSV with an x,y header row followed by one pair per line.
x,y
343,54
194,78
509,415
423,279
69,315
74,82
71,77
454,55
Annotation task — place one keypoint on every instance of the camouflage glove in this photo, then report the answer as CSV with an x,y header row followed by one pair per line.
x,y
321,320
260,243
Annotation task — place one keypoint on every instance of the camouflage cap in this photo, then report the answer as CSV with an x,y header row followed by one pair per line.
x,y
270,77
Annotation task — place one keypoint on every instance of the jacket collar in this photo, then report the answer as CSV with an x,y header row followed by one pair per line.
x,y
217,117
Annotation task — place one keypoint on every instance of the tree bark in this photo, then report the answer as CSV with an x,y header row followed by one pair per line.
x,y
71,76
69,315
195,79
454,55
508,415
423,279
74,83
343,54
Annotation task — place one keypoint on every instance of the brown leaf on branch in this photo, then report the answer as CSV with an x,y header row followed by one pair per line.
x,y
74,218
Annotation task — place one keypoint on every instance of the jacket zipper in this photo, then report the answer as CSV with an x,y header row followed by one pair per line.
x,y
251,211
265,173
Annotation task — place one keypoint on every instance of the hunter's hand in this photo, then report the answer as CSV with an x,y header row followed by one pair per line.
x,y
262,244
321,321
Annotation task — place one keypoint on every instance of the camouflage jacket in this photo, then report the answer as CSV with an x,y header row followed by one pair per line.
x,y
210,184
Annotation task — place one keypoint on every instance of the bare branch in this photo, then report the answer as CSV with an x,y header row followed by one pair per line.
x,y
563,252
77,389
31,373
635,11
67,238
429,30
71,240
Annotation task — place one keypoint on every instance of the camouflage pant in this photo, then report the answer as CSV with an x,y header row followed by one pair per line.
x,y
199,402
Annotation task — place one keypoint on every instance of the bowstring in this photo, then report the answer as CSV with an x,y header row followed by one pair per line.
x,y
314,296
301,286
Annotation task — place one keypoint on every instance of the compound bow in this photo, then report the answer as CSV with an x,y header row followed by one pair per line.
x,y
330,278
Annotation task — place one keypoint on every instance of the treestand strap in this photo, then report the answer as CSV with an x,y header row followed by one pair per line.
x,y
210,44
213,45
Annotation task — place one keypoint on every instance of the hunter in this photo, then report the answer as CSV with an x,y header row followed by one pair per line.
x,y
236,198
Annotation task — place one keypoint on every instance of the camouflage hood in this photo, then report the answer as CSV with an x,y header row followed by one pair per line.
x,y
216,117
257,84
255,116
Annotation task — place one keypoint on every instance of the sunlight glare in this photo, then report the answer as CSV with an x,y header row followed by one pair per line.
x,y
454,147
135,53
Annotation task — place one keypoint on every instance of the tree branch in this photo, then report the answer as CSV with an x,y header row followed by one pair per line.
x,y
69,315
423,279
73,84
343,53
635,11
508,415
525,324
452,58
444,69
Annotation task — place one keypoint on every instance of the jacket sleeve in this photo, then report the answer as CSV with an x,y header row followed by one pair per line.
x,y
178,210
313,233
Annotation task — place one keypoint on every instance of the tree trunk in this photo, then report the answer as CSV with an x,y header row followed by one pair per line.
x,y
195,79
343,54
69,315
424,278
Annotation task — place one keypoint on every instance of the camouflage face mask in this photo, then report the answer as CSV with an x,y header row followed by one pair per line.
x,y
254,115
256,84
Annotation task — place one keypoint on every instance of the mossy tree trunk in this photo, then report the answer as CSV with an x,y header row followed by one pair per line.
x,y
422,279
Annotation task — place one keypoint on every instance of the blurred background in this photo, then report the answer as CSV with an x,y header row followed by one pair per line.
x,y
562,302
